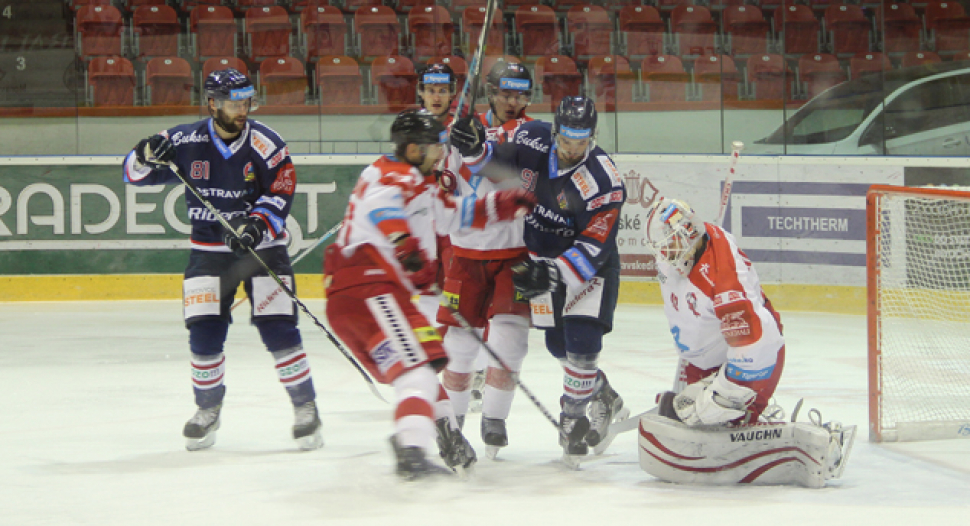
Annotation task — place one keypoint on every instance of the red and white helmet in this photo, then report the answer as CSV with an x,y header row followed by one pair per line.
x,y
673,233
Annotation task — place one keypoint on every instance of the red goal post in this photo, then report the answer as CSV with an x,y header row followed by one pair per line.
x,y
918,285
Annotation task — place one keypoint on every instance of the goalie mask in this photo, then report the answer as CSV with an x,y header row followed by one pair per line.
x,y
674,234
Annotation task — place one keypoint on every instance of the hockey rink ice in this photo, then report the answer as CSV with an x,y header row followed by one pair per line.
x,y
95,395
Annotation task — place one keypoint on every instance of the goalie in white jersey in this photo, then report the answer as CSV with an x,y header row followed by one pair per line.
x,y
731,338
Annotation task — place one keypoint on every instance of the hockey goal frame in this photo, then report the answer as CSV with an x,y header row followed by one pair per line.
x,y
900,431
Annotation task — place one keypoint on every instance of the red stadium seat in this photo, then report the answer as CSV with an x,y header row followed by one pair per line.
x,y
244,5
461,5
666,6
868,63
948,25
282,81
960,56
267,32
694,30
352,6
156,31
458,65
99,30
324,31
567,5
610,80
900,27
770,77
819,72
716,76
798,29
849,29
213,30
590,28
664,78
642,31
187,6
406,6
76,5
299,6
559,77
747,28
396,82
472,20
538,31
132,5
338,80
515,4
111,81
432,31
918,58
169,81
378,32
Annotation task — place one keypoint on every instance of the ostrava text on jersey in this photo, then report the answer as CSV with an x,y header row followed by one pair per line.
x,y
252,175
577,216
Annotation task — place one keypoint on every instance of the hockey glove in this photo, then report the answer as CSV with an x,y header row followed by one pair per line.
x,y
513,203
155,151
468,136
248,235
714,400
534,278
421,271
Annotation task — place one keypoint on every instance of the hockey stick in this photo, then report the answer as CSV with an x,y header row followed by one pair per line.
x,y
225,224
680,380
491,352
305,253
475,68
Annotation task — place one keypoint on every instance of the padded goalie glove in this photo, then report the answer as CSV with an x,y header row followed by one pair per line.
x,y
155,151
468,136
715,400
419,269
248,235
534,278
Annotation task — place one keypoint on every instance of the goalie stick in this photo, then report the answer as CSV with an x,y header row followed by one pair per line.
x,y
680,380
225,224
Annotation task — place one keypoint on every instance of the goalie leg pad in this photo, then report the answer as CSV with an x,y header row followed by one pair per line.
x,y
760,454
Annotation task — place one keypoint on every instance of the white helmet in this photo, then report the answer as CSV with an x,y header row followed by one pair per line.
x,y
673,233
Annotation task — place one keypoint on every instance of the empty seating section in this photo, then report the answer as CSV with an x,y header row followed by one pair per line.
x,y
282,81
366,53
323,31
431,31
168,81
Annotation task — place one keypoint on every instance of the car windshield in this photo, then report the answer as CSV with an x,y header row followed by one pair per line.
x,y
831,116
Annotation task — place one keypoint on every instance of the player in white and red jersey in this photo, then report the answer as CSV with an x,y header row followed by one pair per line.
x,y
721,320
384,254
478,277
726,329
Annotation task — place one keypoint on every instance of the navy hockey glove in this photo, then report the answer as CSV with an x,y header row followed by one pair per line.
x,y
248,235
155,151
421,271
468,136
534,278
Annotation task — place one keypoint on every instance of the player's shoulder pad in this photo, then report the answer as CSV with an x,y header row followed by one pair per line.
x,y
598,180
536,135
266,141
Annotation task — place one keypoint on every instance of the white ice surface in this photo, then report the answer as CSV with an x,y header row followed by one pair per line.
x,y
94,396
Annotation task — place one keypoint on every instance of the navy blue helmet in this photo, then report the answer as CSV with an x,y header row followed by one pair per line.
x,y
229,84
509,75
438,73
417,127
575,118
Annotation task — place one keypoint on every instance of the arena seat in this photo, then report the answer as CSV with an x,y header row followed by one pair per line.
x,y
948,25
849,29
559,77
323,31
100,29
378,32
819,72
716,77
111,81
537,31
747,29
868,63
641,31
917,58
797,29
472,20
156,31
213,32
431,31
396,82
338,80
590,31
769,77
168,81
282,81
267,33
664,78
900,27
610,80
693,29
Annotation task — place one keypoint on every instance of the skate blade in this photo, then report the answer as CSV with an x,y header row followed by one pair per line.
x,y
492,452
848,436
622,415
310,442
196,444
572,461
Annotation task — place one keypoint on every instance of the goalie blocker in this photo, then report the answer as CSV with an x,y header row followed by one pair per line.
x,y
775,453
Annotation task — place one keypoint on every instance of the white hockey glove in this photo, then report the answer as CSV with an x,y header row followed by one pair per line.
x,y
712,401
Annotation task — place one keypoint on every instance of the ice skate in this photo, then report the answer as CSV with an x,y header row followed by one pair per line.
x,y
306,428
572,438
200,430
494,436
455,449
412,464
477,386
606,408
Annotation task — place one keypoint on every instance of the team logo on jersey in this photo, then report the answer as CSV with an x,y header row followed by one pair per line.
x,y
261,144
285,182
616,196
585,183
249,174
563,203
278,158
610,170
674,302
734,325
601,226
692,303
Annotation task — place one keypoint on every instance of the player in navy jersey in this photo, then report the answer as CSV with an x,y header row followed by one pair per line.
x,y
243,169
572,278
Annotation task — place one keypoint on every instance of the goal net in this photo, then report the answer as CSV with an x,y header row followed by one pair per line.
x,y
919,313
